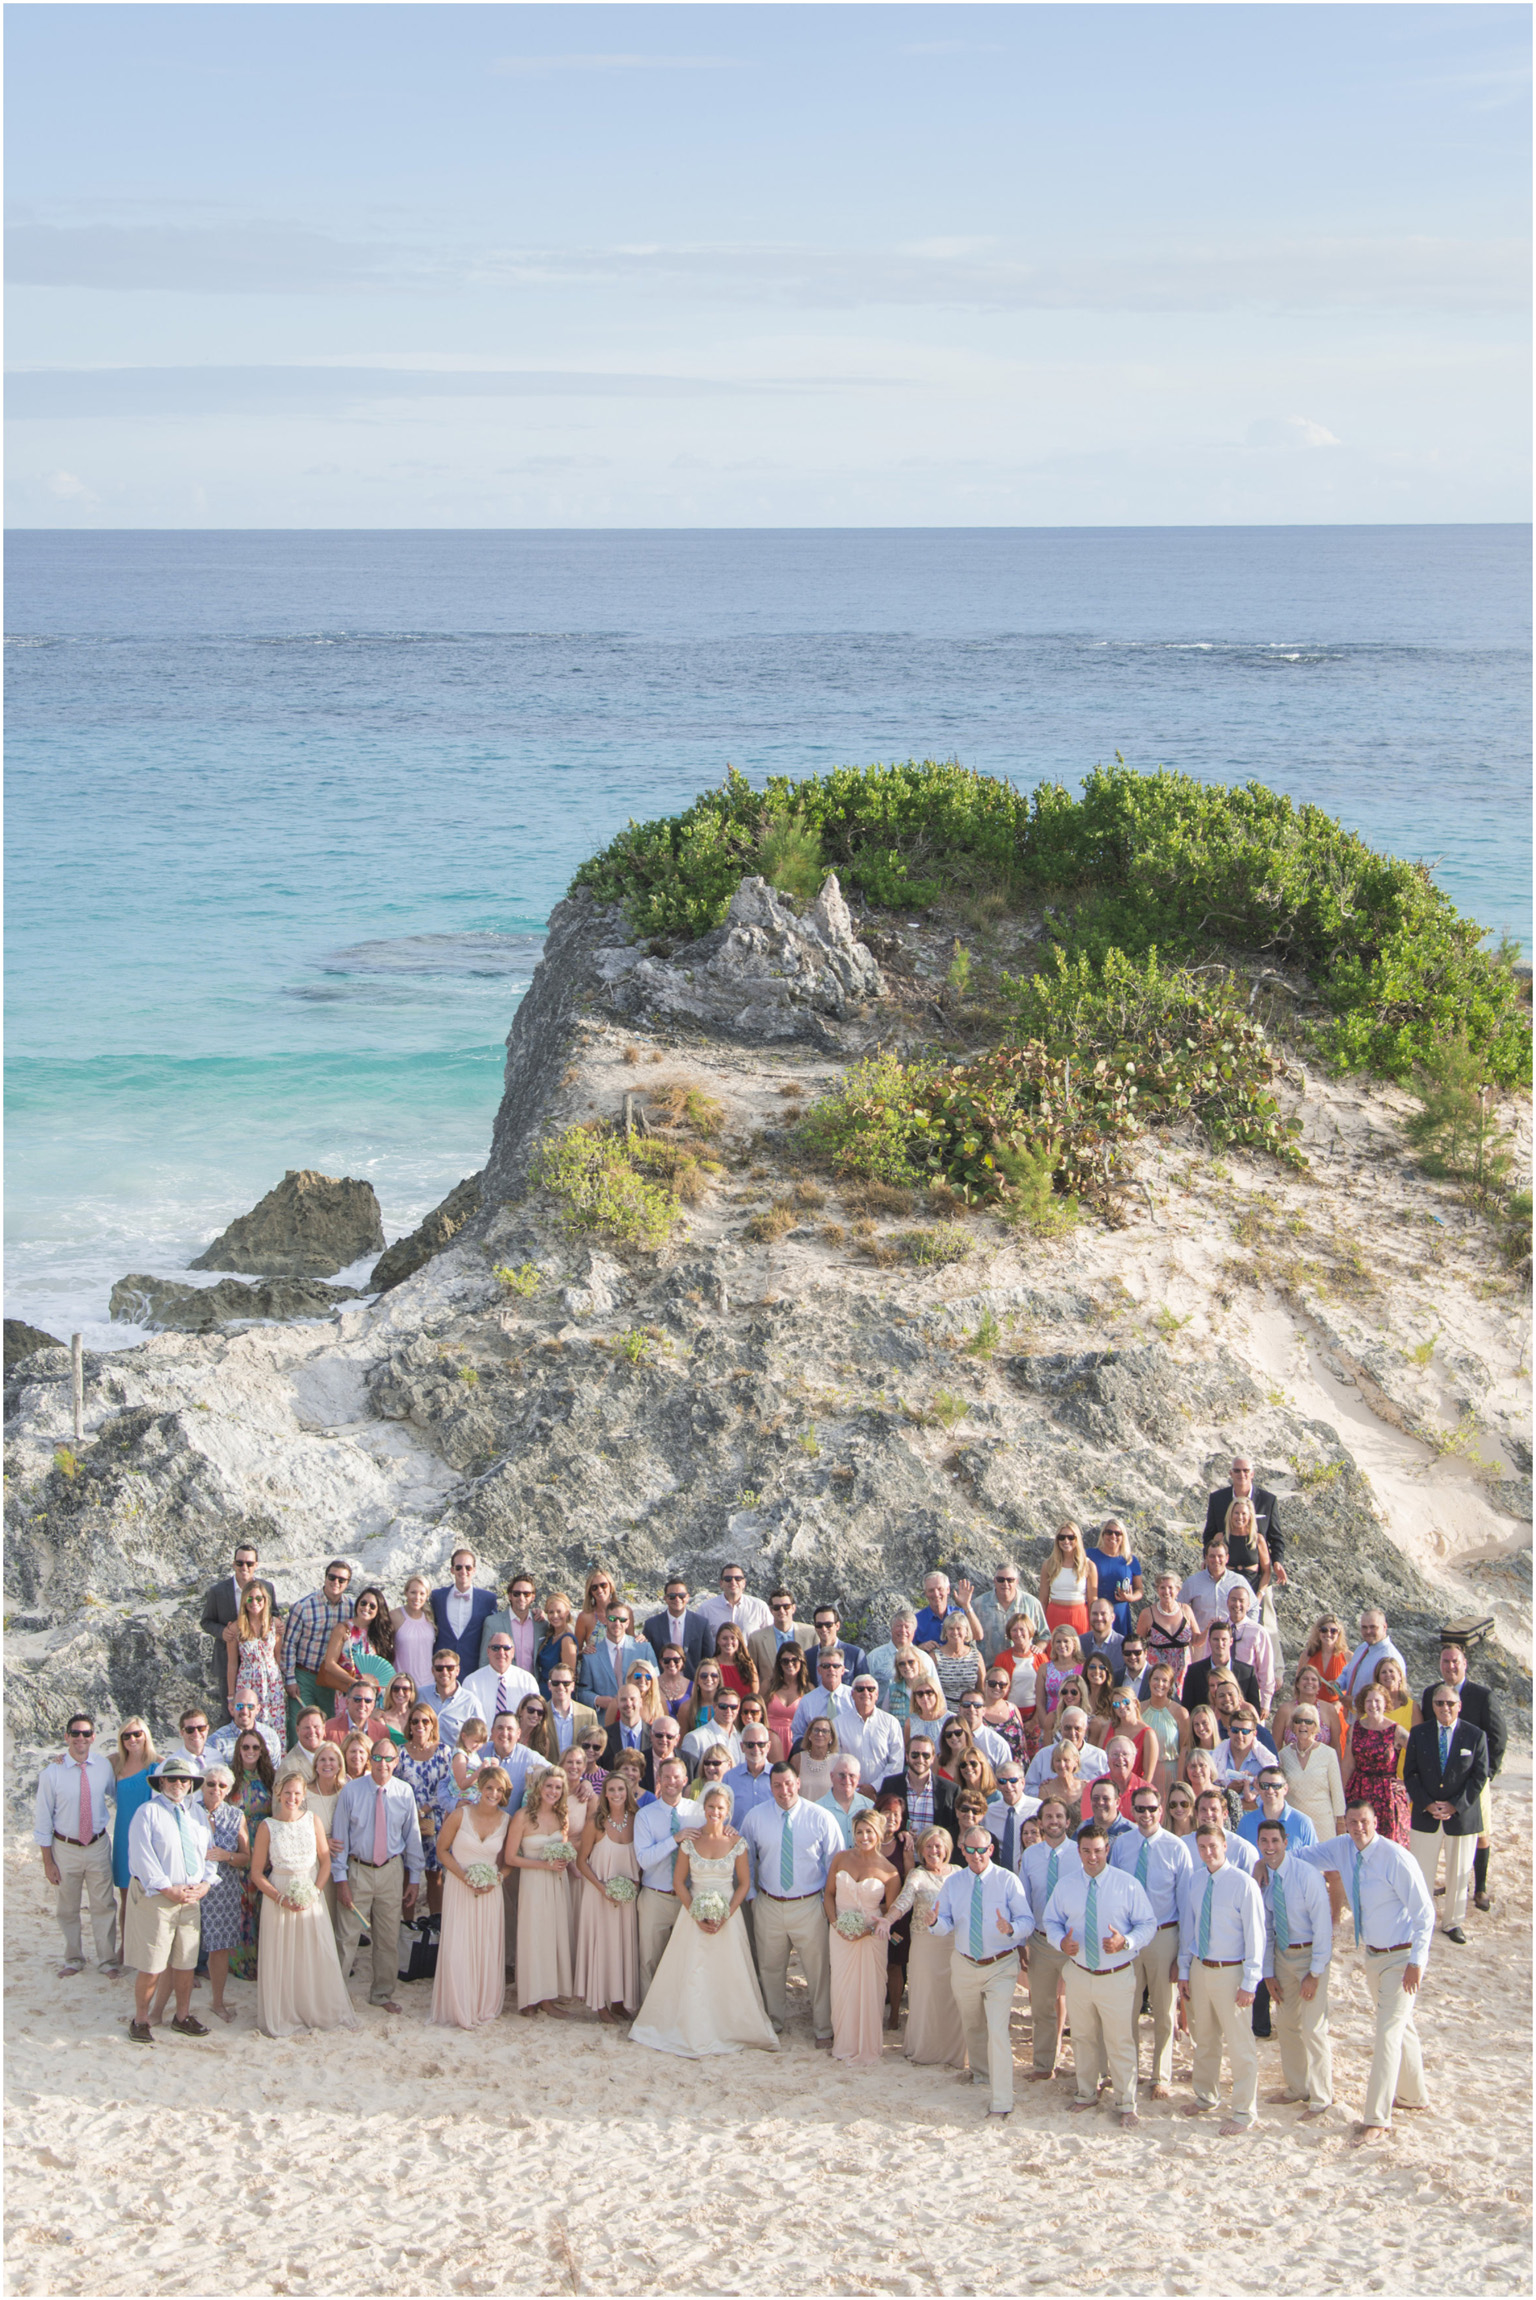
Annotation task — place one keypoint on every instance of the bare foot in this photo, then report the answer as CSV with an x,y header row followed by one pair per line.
x,y
389,2005
527,2011
1162,2092
1282,2099
604,2014
224,2012
1128,2118
1369,2135
1233,2128
1042,2075
1198,2108
67,1971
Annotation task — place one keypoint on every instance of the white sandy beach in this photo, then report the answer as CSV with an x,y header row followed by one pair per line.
x,y
554,2157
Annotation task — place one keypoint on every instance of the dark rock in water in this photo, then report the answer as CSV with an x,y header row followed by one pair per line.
x,y
310,1226
430,1236
162,1303
21,1340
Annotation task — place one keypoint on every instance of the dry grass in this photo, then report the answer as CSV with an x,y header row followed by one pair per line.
x,y
685,1104
877,1198
766,1228
809,1194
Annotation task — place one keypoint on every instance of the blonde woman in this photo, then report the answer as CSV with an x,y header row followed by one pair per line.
x,y
253,1645
1312,1769
1243,1528
934,2037
1069,1581
415,1631
813,1759
324,1796
469,1986
608,1931
130,1761
544,1975
299,1983
863,1883
705,1998
399,1701
1307,1693
647,1677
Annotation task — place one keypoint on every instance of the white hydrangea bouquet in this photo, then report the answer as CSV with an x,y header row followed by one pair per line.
x,y
559,1850
852,1924
480,1875
620,1890
710,1908
301,1894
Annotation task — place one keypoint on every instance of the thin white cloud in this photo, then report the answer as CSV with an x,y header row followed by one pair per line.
x,y
1290,431
540,67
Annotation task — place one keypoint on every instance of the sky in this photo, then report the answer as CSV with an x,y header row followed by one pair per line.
x,y
792,265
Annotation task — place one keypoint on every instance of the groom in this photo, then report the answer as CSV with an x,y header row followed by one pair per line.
x,y
793,1846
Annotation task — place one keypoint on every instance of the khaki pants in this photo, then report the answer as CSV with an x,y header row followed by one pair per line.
x,y
1425,1846
658,1913
1156,1972
1215,2019
1306,2053
1397,2064
780,1926
984,1999
1045,1964
1102,2009
86,1870
376,1903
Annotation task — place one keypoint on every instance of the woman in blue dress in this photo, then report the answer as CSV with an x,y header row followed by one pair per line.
x,y
1119,1573
131,1762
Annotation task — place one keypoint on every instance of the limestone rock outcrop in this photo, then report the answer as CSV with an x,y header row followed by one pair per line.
x,y
160,1303
310,1226
21,1340
435,1231
767,973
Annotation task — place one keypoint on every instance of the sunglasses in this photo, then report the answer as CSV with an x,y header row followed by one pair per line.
x,y
81,1733
534,1709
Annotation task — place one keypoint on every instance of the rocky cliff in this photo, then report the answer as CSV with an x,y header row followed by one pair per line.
x,y
836,1386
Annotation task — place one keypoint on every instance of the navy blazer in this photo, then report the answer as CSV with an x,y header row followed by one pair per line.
x,y
694,1638
482,1604
1460,1784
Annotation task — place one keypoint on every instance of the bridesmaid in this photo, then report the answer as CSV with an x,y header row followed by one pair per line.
x,y
415,1631
674,1684
544,1895
864,1882
471,1953
582,1797
608,1931
324,1796
934,2036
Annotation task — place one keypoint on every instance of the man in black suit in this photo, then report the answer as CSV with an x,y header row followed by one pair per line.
x,y
460,1612
1197,1680
1479,1708
628,1731
222,1606
919,1786
1244,1558
678,1626
1445,1770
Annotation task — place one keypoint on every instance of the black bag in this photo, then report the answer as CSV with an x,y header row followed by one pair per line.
x,y
418,1952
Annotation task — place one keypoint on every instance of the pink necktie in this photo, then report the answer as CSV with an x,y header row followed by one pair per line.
x,y
380,1832
87,1832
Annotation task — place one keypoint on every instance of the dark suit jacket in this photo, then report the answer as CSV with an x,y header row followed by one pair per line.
x,y
1197,1684
1267,1517
1479,1708
1461,1783
614,1744
661,1631
482,1603
221,1606
943,1798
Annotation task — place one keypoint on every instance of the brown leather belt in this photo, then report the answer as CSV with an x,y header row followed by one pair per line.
x,y
1391,1952
1093,1971
978,1962
1221,1964
86,1842
787,1899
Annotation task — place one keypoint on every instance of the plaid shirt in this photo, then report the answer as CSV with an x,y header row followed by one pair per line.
x,y
919,1805
310,1623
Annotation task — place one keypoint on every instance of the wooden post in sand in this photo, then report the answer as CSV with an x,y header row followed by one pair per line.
x,y
77,1383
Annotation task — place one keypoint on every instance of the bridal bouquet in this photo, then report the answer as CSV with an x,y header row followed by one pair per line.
x,y
559,1850
301,1894
852,1924
620,1890
710,1908
480,1875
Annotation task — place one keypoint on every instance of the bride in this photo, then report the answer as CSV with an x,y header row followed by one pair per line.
x,y
299,1982
705,1998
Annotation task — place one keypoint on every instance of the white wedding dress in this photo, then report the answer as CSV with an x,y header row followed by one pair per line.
x,y
298,1972
705,1998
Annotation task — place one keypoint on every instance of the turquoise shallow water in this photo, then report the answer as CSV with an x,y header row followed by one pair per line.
x,y
286,813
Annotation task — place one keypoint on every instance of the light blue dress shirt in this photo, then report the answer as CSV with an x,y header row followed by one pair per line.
x,y
1237,1921
1091,1762
451,1714
1001,1895
816,1842
57,1811
1168,1865
845,1821
1394,1899
1120,1905
1307,1914
155,1853
1036,1871
656,1842
352,1825
1299,1832
1006,1823
817,1704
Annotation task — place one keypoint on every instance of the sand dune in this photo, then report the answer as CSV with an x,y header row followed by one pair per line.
x,y
545,2157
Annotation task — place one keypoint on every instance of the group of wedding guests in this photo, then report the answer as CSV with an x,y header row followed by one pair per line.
x,y
1112,1794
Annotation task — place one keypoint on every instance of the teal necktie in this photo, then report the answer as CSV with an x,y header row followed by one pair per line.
x,y
976,1918
1091,1925
677,1830
189,1851
1354,1901
1445,1745
1141,1862
1203,1944
786,1856
1282,1921
1052,1872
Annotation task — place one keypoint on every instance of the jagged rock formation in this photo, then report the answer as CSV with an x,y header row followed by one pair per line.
x,y
766,973
435,1231
161,1303
21,1340
310,1226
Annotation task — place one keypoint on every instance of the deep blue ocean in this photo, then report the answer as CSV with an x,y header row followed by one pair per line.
x,y
287,812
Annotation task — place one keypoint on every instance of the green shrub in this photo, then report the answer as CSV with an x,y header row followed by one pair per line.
x,y
600,1191
789,856
933,1249
1455,1130
523,1280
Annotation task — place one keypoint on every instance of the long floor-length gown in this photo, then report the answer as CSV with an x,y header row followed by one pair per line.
x,y
704,1998
934,2037
543,1926
298,1980
858,1975
608,1932
578,1813
471,1949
